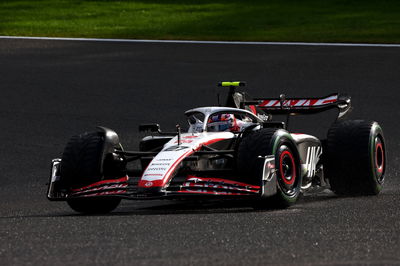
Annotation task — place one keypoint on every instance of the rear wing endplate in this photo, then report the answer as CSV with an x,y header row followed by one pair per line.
x,y
302,105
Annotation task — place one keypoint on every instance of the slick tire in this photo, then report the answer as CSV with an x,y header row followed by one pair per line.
x,y
81,160
278,143
355,161
81,166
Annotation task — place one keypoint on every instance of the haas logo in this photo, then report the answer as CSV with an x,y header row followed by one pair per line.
x,y
148,184
313,154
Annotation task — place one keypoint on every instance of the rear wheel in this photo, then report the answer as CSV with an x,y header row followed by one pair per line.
x,y
275,142
355,158
82,164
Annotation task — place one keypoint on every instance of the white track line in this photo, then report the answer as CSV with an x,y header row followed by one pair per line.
x,y
203,42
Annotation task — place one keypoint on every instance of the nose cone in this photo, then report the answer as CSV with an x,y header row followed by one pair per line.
x,y
163,167
153,188
165,164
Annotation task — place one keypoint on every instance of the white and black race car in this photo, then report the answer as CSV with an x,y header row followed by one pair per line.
x,y
231,151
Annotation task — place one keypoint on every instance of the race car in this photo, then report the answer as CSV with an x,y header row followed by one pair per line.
x,y
230,151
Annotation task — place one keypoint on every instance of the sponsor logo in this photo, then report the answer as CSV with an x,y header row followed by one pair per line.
x,y
190,137
156,169
160,164
148,184
263,117
313,155
184,141
176,148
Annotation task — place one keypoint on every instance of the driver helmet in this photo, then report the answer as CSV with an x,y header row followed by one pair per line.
x,y
222,122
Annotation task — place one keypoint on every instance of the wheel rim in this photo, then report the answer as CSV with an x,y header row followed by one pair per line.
x,y
379,159
287,168
287,172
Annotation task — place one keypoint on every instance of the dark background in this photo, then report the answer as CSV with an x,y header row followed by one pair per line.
x,y
51,90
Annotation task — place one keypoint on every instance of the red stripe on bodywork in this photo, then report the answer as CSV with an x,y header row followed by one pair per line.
x,y
253,109
329,101
209,142
275,104
103,182
294,102
220,180
213,193
147,183
107,187
306,103
217,186
105,193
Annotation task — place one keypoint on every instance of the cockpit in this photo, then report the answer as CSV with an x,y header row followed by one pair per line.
x,y
220,119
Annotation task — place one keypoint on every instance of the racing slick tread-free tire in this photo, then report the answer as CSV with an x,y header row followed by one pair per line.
x,y
81,160
355,158
276,142
81,166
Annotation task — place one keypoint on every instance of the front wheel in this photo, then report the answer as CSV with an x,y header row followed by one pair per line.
x,y
287,173
254,147
84,162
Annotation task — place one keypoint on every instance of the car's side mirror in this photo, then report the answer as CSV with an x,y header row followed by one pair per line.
x,y
149,127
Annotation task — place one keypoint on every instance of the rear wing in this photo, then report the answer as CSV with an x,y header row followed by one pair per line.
x,y
281,105
301,105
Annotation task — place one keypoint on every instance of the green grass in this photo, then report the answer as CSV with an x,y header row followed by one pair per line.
x,y
258,20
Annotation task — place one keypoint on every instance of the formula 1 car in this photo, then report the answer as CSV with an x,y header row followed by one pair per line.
x,y
230,151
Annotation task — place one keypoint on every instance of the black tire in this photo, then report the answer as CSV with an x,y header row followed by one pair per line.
x,y
355,155
267,142
80,166
81,160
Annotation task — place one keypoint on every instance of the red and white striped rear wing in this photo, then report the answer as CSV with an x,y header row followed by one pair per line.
x,y
302,105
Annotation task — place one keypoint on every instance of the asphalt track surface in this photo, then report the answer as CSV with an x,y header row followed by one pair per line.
x,y
51,90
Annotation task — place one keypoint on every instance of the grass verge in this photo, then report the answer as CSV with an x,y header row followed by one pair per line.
x,y
257,20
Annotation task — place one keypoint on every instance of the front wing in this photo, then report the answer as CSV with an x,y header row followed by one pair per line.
x,y
181,186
